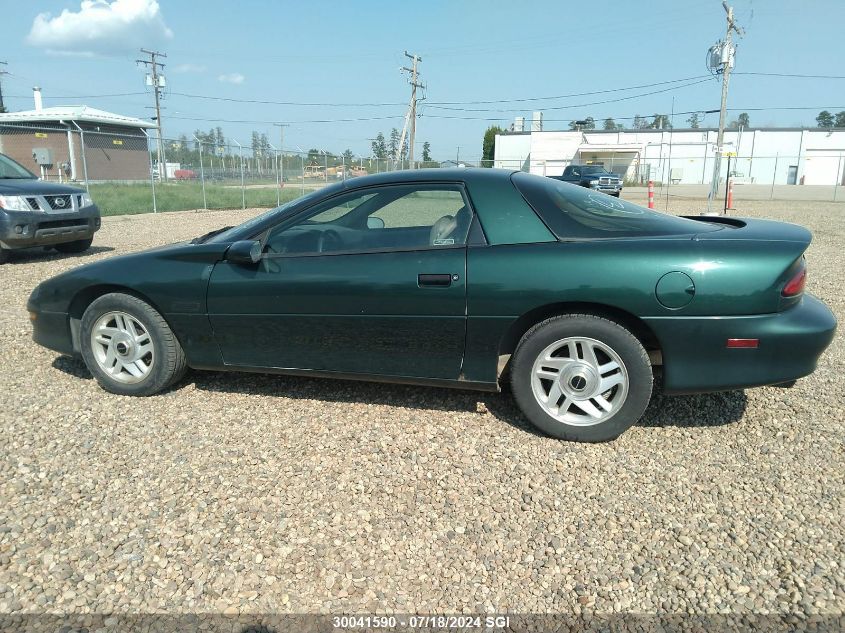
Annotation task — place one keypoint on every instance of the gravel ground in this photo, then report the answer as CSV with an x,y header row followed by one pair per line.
x,y
244,493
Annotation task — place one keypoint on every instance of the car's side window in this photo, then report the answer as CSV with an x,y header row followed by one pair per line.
x,y
412,217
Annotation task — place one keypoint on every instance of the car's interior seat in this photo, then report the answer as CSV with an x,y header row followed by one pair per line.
x,y
452,227
442,230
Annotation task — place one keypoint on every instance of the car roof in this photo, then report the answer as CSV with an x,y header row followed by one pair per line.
x,y
454,174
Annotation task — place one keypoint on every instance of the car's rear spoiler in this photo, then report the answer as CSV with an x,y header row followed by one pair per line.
x,y
754,230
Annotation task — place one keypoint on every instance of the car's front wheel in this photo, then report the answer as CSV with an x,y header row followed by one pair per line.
x,y
77,246
4,255
581,377
128,347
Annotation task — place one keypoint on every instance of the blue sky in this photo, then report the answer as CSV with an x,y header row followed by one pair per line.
x,y
350,53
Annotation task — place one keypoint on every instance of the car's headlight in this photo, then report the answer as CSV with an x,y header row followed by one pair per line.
x,y
15,203
85,200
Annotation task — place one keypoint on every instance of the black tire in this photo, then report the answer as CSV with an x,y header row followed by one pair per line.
x,y
168,364
607,333
74,247
4,255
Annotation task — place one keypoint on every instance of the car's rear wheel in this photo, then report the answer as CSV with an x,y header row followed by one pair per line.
x,y
581,377
128,347
76,246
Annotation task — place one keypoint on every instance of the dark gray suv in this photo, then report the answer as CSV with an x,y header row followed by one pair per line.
x,y
38,213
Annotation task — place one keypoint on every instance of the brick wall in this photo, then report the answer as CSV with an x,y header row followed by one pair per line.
x,y
111,152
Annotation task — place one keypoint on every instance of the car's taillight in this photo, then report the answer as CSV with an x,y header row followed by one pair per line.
x,y
795,286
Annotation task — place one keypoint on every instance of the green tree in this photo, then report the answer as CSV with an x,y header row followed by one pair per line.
x,y
315,157
694,120
488,146
740,122
393,144
840,119
379,146
426,152
610,124
640,122
583,124
348,156
825,119
660,122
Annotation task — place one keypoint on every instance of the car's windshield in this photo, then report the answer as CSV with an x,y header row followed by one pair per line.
x,y
594,169
225,235
11,169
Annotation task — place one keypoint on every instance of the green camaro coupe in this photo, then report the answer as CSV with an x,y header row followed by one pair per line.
x,y
457,278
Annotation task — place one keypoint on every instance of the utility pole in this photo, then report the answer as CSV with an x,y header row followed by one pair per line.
x,y
2,72
156,80
725,64
411,117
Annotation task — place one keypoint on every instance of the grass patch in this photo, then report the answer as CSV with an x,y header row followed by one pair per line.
x,y
129,199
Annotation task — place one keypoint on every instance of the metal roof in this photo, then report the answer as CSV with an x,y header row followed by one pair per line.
x,y
78,113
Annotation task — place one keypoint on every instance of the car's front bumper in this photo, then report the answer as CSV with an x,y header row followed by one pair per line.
x,y
52,330
609,189
24,229
696,358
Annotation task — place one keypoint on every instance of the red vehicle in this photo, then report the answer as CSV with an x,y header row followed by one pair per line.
x,y
185,174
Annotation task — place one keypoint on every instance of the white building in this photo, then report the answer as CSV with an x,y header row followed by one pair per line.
x,y
762,155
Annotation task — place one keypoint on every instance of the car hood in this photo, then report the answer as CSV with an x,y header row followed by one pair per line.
x,y
34,187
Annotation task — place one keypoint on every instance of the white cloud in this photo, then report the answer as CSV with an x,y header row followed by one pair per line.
x,y
232,78
101,28
189,68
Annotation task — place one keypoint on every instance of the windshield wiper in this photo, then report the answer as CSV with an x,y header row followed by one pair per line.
x,y
209,235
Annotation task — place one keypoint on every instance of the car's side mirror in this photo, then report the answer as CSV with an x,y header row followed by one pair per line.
x,y
244,252
375,223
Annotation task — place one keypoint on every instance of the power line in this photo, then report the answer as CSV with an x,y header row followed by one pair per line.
x,y
430,103
576,105
285,103
791,75
268,122
104,96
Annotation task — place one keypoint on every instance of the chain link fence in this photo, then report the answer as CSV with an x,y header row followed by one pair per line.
x,y
126,170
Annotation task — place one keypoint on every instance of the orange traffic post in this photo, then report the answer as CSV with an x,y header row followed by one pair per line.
x,y
730,200
650,194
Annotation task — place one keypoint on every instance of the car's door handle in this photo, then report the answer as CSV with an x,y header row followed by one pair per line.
x,y
441,281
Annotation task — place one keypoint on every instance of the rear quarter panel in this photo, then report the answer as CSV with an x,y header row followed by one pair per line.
x,y
507,281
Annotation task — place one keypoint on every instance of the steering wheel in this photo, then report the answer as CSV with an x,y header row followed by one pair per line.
x,y
329,240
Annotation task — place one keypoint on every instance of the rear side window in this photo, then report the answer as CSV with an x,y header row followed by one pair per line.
x,y
573,212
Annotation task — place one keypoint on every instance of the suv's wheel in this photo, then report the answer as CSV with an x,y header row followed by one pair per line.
x,y
4,255
128,346
74,247
581,377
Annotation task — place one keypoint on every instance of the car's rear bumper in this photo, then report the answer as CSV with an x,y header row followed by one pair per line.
x,y
24,229
696,357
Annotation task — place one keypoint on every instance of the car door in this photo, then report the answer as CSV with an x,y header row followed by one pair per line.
x,y
369,282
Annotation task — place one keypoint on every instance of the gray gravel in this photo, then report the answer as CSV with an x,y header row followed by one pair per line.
x,y
271,494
